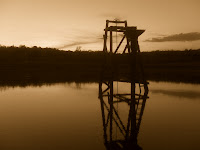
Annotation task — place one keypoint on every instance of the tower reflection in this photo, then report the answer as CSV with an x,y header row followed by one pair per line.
x,y
121,126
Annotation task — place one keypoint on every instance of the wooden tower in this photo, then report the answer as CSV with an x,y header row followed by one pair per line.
x,y
130,33
137,95
130,47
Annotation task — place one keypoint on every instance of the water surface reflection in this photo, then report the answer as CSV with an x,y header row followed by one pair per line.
x,y
120,134
70,116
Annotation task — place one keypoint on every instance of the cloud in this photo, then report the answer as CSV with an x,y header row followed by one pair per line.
x,y
80,42
182,37
79,38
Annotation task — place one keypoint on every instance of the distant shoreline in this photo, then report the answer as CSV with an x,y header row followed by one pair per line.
x,y
34,66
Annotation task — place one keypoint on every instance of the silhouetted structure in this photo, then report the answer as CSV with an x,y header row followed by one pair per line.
x,y
131,35
135,77
127,133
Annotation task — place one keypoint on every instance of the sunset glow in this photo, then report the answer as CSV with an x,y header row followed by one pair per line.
x,y
67,24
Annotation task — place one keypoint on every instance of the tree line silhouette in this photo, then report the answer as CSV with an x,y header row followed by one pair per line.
x,y
36,65
23,54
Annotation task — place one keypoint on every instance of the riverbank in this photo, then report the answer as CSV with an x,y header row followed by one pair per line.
x,y
34,66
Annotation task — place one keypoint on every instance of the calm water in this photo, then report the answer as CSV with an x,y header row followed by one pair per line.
x,y
68,116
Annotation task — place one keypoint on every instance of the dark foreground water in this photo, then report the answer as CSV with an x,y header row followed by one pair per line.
x,y
68,117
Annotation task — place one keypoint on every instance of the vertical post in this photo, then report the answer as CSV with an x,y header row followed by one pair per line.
x,y
110,55
133,58
125,23
111,109
111,42
133,52
105,43
105,37
128,46
133,136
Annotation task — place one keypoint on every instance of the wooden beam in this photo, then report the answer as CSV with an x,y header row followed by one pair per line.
x,y
125,49
105,43
111,42
120,44
115,21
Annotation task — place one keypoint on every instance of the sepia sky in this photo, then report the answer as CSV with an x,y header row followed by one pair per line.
x,y
66,24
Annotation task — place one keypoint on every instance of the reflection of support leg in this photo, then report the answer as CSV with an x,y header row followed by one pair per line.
x,y
133,136
102,113
128,125
110,117
141,113
115,120
111,109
